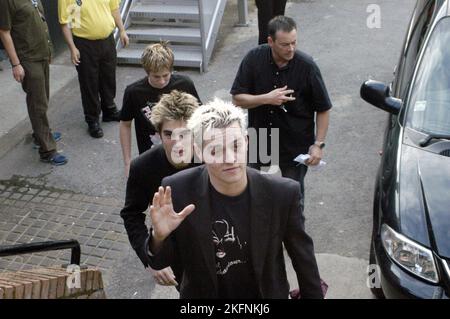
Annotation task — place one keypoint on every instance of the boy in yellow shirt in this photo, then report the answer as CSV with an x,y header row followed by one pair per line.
x,y
88,27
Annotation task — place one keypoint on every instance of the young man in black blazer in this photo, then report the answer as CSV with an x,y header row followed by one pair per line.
x,y
224,225
169,118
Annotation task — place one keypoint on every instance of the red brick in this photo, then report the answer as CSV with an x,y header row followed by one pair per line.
x,y
18,289
48,284
31,286
8,291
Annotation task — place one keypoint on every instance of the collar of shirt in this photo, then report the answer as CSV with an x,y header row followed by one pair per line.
x,y
275,66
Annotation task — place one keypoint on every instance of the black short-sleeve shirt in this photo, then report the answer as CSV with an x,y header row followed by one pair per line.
x,y
139,99
29,30
259,74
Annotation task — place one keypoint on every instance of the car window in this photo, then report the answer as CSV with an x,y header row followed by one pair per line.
x,y
413,47
429,105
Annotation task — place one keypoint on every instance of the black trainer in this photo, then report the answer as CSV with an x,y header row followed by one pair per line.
x,y
95,130
113,116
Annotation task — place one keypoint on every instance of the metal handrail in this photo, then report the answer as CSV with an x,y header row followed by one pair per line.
x,y
203,36
124,9
243,13
21,249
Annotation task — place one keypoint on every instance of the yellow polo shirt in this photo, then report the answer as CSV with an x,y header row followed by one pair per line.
x,y
89,19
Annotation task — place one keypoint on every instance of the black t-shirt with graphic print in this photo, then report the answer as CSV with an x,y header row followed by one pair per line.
x,y
140,97
230,218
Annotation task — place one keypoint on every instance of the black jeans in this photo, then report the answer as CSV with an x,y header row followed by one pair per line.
x,y
297,173
268,9
97,76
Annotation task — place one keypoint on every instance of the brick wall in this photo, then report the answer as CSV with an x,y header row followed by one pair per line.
x,y
52,283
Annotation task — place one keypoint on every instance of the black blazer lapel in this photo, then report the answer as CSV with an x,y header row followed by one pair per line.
x,y
200,220
261,207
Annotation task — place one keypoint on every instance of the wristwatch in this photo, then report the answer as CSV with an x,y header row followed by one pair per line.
x,y
320,144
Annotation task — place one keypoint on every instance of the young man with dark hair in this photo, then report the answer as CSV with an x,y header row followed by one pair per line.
x,y
223,225
140,97
169,118
283,89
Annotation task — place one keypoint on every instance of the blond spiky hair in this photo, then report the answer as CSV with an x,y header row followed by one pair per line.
x,y
173,106
215,114
157,57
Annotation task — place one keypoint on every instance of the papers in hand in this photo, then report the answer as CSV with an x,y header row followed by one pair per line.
x,y
301,159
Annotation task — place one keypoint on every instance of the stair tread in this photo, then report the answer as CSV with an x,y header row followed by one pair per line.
x,y
166,9
188,54
167,31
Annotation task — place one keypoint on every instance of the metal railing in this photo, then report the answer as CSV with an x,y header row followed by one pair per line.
x,y
124,8
242,13
210,12
21,249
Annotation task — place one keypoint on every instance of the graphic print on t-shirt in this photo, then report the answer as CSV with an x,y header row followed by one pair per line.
x,y
147,111
228,247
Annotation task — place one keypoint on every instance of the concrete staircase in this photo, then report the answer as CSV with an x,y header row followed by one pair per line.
x,y
189,25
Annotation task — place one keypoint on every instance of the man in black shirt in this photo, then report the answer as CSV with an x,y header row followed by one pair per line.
x,y
228,236
282,88
141,96
169,117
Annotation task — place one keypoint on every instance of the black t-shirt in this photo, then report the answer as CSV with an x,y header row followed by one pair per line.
x,y
259,74
230,218
146,174
140,97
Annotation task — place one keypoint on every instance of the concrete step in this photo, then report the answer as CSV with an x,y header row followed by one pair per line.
x,y
185,56
168,11
173,34
168,2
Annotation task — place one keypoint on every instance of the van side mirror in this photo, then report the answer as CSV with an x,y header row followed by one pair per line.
x,y
378,94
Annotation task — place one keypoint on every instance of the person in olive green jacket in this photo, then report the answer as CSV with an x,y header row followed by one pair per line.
x,y
25,36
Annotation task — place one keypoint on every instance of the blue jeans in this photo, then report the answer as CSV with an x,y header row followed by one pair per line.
x,y
297,173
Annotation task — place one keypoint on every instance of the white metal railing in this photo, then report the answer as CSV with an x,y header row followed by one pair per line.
x,y
243,13
124,9
211,12
210,16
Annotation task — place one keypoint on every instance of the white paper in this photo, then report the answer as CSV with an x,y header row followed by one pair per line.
x,y
303,157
